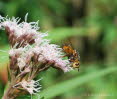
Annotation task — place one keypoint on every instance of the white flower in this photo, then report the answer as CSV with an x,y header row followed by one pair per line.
x,y
31,86
21,63
63,64
47,52
53,54
31,53
14,51
21,28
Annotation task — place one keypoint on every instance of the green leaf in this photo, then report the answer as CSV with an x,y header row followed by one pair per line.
x,y
68,85
4,56
59,34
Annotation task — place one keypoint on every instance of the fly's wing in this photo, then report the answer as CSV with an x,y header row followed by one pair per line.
x,y
76,54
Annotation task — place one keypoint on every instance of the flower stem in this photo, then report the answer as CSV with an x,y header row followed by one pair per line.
x,y
8,94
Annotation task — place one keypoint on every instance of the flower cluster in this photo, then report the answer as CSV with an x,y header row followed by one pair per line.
x,y
30,53
31,86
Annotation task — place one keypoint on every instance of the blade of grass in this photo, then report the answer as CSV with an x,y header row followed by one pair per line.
x,y
72,83
62,33
4,56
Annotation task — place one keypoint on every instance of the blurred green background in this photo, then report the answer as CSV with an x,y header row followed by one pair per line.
x,y
91,26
